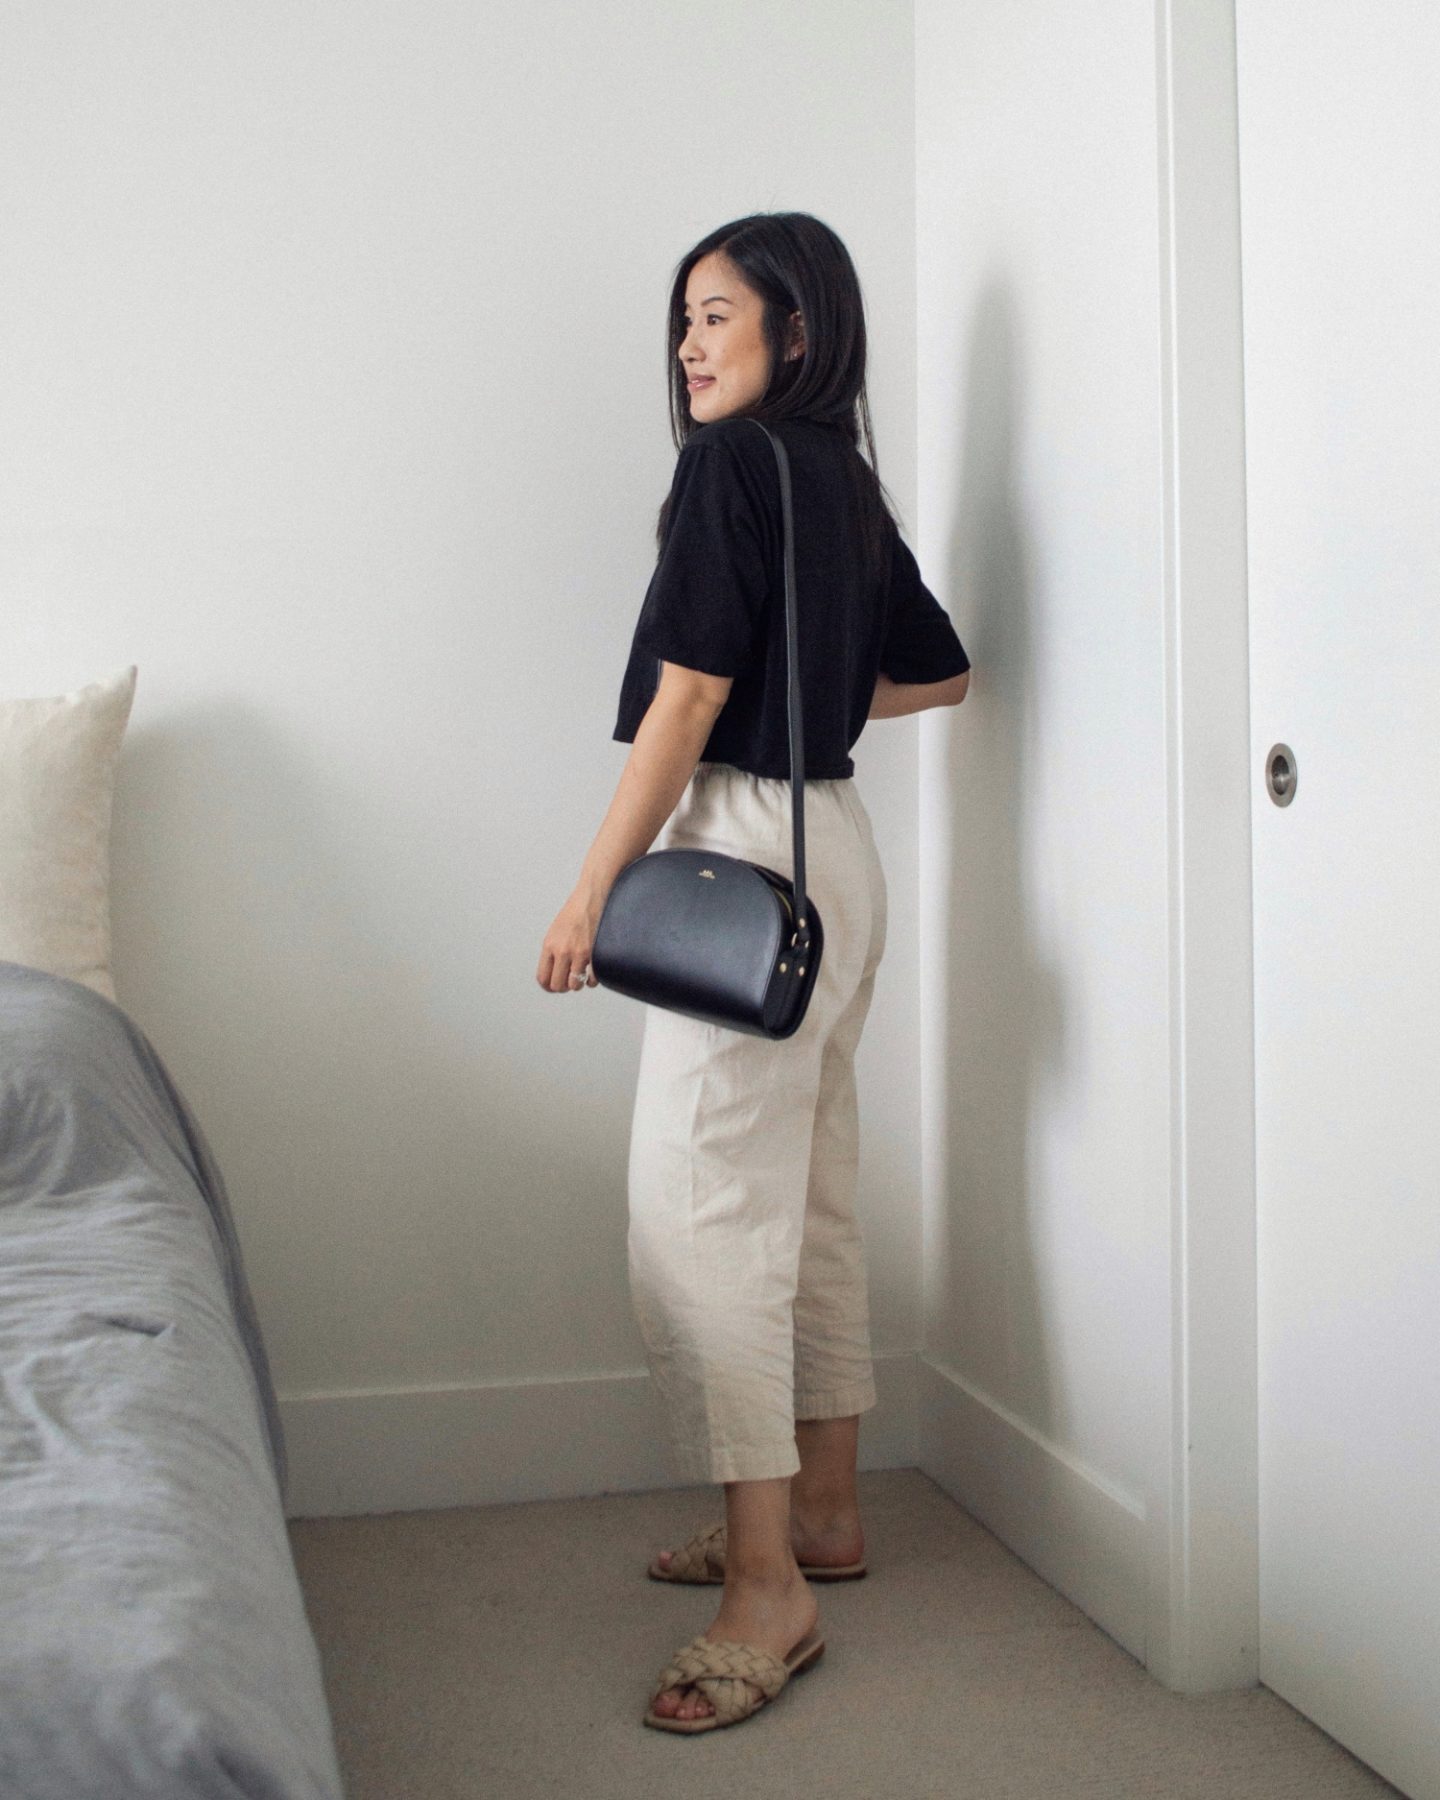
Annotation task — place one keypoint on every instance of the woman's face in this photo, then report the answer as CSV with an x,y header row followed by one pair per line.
x,y
723,352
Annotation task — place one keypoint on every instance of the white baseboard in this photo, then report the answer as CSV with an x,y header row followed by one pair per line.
x,y
485,1443
1076,1530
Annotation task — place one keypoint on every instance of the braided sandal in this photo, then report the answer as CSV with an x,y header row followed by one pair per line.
x,y
723,1670
702,1561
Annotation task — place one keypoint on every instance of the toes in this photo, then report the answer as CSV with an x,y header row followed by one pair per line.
x,y
682,1703
665,1558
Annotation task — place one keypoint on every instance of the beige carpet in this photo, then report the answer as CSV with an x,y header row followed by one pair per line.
x,y
509,1651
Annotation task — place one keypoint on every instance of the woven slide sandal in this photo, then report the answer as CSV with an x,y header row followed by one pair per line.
x,y
702,1561
723,1669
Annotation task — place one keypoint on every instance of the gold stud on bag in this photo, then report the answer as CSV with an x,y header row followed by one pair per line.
x,y
710,935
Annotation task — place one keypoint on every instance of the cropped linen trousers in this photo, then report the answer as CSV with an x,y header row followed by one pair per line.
x,y
746,1259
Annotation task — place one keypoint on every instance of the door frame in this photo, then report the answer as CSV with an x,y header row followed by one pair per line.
x,y
1203,1594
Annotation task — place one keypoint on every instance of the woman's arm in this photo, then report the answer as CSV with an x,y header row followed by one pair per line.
x,y
668,742
893,699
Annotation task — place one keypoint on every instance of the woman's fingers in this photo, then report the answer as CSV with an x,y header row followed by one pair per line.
x,y
565,952
568,973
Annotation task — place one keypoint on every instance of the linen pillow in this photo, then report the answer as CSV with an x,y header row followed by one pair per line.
x,y
57,781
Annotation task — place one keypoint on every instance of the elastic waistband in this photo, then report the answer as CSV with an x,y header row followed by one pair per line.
x,y
775,781
723,797
725,807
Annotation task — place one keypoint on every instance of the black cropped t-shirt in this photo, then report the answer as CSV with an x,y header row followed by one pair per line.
x,y
716,601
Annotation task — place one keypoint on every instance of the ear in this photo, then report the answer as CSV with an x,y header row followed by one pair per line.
x,y
797,337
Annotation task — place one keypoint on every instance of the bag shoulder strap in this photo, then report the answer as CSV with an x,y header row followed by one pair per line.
x,y
795,701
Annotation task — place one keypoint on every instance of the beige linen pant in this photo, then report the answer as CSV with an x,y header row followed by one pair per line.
x,y
747,1265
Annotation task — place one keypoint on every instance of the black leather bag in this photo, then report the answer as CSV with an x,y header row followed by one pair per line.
x,y
715,937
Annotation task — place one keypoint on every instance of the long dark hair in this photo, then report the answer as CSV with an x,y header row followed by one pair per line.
x,y
793,260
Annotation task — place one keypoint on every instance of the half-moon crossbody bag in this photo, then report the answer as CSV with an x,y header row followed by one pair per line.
x,y
715,937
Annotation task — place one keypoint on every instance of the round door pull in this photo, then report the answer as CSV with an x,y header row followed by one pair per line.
x,y
1280,774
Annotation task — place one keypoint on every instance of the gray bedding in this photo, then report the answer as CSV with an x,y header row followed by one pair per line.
x,y
153,1635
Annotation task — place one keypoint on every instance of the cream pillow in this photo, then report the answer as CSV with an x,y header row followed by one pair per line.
x,y
57,781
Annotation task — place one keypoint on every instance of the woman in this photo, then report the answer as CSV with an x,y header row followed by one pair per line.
x,y
746,1261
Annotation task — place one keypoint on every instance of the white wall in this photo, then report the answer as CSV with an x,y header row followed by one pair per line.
x,y
317,324
1087,1373
1044,799
334,400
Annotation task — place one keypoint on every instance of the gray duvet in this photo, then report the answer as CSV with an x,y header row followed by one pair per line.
x,y
153,1637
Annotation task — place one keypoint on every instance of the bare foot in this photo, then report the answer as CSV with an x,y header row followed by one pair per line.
x,y
828,1541
775,1614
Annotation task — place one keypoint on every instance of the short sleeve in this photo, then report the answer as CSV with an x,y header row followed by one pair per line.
x,y
920,642
707,595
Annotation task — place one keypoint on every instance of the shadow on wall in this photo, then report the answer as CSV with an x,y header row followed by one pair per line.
x,y
1003,1021
325,994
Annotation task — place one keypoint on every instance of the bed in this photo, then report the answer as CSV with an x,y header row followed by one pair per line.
x,y
154,1643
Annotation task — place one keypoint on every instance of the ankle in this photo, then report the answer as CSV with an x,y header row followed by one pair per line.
x,y
763,1579
824,1510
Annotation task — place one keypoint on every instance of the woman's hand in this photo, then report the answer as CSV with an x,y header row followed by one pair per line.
x,y
565,952
668,742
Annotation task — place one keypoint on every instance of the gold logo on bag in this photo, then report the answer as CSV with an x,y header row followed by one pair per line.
x,y
708,874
